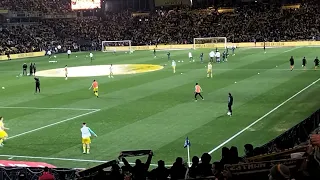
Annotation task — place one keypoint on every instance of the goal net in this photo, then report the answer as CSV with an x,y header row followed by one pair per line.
x,y
210,42
116,46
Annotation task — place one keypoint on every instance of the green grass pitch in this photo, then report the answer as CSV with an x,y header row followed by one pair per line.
x,y
155,110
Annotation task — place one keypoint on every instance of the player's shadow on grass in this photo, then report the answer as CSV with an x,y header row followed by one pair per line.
x,y
222,117
74,96
106,98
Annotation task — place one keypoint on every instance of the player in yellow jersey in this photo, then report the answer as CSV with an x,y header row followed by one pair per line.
x,y
209,71
86,141
3,133
95,87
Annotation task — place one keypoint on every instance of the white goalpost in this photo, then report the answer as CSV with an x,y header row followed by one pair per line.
x,y
116,46
210,42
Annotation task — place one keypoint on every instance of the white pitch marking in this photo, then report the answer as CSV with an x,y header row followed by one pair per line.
x,y
292,49
59,122
243,69
64,159
39,108
275,69
258,120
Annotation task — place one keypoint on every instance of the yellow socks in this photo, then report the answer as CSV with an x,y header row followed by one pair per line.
x,y
84,148
88,149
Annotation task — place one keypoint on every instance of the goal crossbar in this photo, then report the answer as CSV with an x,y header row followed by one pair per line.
x,y
114,46
210,42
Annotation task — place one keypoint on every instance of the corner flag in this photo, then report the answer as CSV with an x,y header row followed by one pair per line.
x,y
187,143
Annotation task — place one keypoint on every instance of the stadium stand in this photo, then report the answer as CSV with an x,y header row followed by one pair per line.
x,y
57,6
261,23
293,154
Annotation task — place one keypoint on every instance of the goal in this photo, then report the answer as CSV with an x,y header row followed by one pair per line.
x,y
210,42
116,46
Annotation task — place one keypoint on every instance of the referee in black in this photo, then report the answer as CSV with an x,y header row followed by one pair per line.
x,y
230,102
34,69
31,69
24,69
37,81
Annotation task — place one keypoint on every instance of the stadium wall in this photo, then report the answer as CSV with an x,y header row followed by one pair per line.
x,y
22,55
183,46
221,45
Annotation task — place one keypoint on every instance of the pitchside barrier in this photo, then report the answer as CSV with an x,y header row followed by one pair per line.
x,y
13,173
222,45
186,46
22,55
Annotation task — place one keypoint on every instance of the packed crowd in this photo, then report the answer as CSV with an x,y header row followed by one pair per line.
x,y
247,24
45,6
22,39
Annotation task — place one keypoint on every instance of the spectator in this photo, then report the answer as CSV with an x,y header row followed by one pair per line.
x,y
234,157
279,172
217,169
115,173
140,170
126,173
225,156
159,173
194,170
46,175
248,150
178,169
315,140
22,176
257,151
205,168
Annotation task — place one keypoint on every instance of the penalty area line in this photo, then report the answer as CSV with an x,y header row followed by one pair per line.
x,y
292,49
53,124
11,157
261,118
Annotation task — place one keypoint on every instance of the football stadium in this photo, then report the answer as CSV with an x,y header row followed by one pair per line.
x,y
89,91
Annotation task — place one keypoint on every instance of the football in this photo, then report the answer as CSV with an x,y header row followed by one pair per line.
x,y
228,113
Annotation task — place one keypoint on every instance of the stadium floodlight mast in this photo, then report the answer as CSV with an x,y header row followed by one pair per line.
x,y
210,42
116,46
